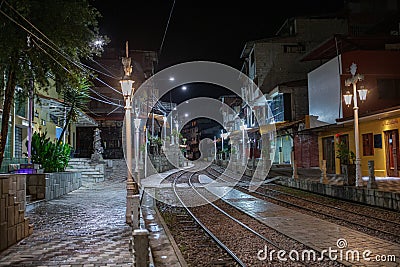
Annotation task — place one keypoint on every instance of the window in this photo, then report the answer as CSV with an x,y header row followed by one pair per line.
x,y
20,107
294,48
281,107
368,144
252,60
18,142
389,88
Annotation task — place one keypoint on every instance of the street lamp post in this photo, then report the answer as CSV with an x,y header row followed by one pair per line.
x,y
137,127
222,140
243,128
215,148
127,91
165,129
347,98
223,137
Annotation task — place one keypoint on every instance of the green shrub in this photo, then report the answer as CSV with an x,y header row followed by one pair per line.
x,y
345,155
53,156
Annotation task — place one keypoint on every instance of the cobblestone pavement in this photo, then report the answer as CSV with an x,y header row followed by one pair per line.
x,y
83,228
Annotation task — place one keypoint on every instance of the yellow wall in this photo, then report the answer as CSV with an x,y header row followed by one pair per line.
x,y
374,126
50,127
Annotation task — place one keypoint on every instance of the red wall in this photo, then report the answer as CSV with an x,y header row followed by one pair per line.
x,y
306,150
373,65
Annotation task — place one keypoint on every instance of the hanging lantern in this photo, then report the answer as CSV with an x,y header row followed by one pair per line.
x,y
126,86
347,98
362,92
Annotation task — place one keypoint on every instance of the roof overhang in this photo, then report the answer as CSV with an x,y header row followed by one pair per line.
x,y
340,43
374,117
59,109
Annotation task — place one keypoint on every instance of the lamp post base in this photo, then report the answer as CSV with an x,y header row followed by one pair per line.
x,y
131,191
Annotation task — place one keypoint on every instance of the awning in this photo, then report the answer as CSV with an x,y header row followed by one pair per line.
x,y
57,108
287,124
341,43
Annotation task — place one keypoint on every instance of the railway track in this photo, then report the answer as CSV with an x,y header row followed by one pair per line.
x,y
374,225
225,225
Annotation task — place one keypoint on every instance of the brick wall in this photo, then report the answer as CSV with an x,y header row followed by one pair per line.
x,y
306,150
14,226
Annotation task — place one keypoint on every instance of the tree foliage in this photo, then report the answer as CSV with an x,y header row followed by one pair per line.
x,y
76,99
43,40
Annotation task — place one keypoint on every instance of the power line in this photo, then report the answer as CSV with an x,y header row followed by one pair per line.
x,y
62,66
56,50
104,68
166,28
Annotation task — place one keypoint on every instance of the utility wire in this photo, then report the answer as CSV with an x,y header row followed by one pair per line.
x,y
63,67
104,68
56,50
166,28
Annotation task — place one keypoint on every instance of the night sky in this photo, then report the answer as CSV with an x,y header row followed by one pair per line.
x,y
199,30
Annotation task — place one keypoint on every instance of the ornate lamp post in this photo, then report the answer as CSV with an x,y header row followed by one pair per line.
x,y
165,129
127,91
137,127
215,148
223,137
222,140
243,128
347,98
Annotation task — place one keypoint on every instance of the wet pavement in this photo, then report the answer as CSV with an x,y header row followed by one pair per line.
x,y
83,228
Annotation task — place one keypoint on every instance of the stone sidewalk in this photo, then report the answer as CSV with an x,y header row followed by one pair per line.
x,y
316,233
83,228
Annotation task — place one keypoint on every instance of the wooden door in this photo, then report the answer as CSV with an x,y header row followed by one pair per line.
x,y
328,147
392,152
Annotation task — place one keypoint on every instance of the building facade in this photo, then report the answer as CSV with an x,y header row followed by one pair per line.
x,y
108,111
378,114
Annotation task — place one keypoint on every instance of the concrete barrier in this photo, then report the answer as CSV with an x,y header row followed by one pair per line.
x,y
52,185
373,197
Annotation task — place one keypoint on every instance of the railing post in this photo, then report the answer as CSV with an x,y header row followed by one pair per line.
x,y
295,175
371,173
135,211
324,179
141,248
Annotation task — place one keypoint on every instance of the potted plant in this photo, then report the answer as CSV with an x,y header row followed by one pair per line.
x,y
347,163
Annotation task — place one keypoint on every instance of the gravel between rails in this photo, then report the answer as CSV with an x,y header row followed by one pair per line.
x,y
196,246
241,241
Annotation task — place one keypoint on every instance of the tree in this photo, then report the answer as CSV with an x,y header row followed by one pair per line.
x,y
43,40
76,99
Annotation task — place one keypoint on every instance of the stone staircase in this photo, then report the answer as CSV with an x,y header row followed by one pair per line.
x,y
91,171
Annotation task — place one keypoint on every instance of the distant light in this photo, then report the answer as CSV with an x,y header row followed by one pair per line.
x,y
98,43
184,88
186,115
171,79
187,102
174,108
